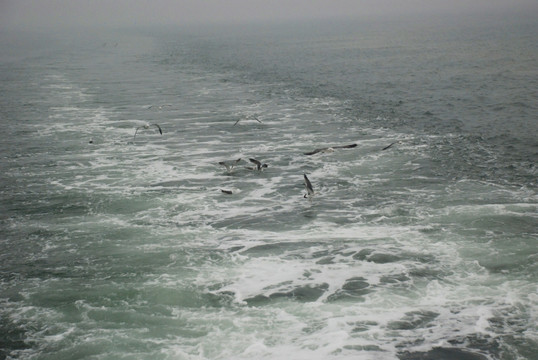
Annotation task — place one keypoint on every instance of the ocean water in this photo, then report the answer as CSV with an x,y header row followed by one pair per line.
x,y
121,247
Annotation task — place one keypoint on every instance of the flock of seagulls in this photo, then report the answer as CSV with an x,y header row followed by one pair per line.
x,y
259,166
230,165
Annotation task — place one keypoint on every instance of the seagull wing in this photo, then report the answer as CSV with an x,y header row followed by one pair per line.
x,y
254,161
158,127
226,165
258,164
386,147
136,131
345,146
315,151
237,121
229,164
308,185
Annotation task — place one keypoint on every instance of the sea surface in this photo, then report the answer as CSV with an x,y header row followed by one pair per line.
x,y
121,247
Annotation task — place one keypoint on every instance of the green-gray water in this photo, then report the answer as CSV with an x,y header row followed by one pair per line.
x,y
126,248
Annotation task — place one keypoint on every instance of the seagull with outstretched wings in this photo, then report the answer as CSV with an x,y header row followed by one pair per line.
x,y
330,149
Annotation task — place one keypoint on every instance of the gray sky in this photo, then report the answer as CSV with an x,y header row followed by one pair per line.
x,y
28,13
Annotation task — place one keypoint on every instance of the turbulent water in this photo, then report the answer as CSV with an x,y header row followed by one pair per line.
x,y
122,247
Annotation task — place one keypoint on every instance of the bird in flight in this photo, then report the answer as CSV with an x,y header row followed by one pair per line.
x,y
229,164
259,165
250,117
147,127
309,188
330,149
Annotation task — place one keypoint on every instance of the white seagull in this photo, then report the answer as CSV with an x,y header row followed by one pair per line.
x,y
147,127
250,117
229,164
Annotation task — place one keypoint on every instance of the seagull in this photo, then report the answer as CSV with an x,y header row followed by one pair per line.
x,y
309,188
259,165
254,117
330,149
386,147
229,164
147,127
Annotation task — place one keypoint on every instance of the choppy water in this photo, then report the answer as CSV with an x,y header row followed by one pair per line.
x,y
126,248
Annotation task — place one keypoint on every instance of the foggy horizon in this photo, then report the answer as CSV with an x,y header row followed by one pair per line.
x,y
139,13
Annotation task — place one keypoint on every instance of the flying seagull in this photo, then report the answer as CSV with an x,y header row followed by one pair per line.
x,y
259,165
254,117
229,164
309,188
147,127
330,149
